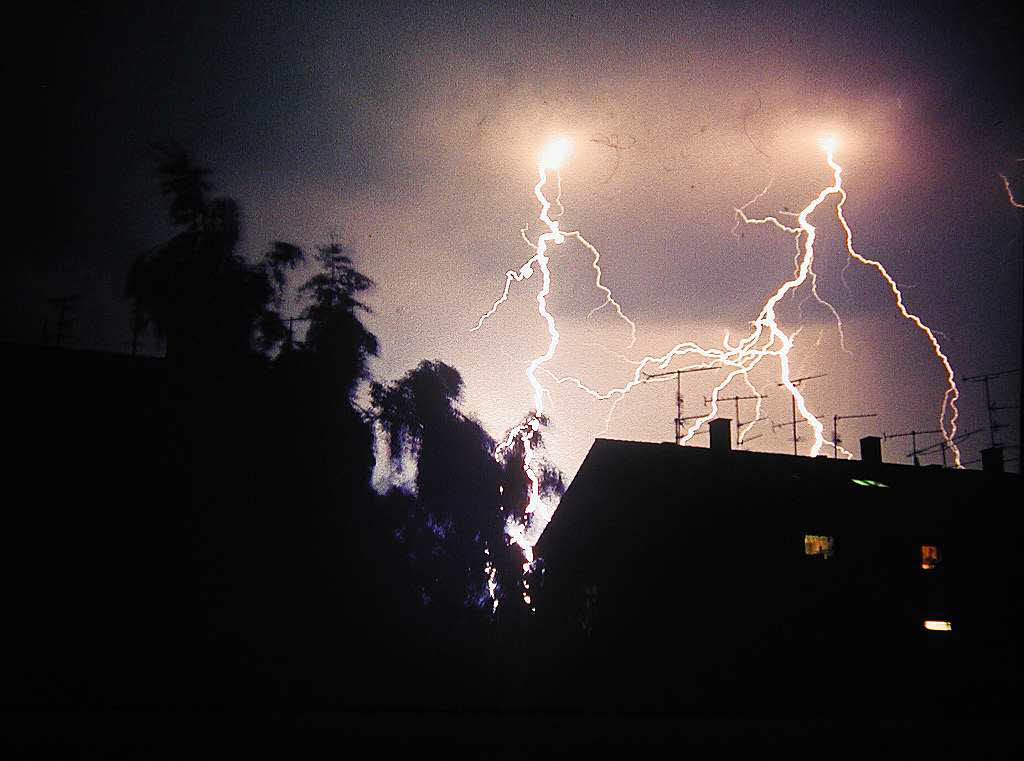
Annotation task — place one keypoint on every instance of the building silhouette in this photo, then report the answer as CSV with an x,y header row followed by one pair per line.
x,y
673,578
691,578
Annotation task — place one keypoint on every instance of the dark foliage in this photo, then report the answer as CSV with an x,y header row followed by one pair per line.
x,y
241,559
454,516
195,290
335,335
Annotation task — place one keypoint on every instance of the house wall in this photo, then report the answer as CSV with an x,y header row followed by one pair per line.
x,y
664,591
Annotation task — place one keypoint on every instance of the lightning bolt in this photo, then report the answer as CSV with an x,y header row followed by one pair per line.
x,y
491,576
550,158
1009,191
766,338
952,393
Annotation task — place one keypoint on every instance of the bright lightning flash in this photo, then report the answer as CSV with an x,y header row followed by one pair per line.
x,y
769,340
551,158
766,339
554,153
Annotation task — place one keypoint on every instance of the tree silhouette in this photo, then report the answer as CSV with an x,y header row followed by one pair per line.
x,y
316,460
515,498
335,336
196,292
454,525
515,484
297,562
281,258
331,452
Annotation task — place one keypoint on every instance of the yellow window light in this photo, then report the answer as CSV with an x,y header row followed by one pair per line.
x,y
815,544
938,626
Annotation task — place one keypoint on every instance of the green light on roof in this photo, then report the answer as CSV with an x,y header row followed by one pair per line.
x,y
869,482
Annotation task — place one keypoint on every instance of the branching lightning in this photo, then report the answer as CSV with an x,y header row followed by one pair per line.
x,y
550,159
768,339
765,340
952,393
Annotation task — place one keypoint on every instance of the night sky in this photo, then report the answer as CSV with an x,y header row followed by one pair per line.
x,y
411,136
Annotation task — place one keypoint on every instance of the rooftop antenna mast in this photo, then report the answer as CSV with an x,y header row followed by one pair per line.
x,y
794,422
679,394
801,421
942,446
913,442
683,420
737,400
835,430
993,426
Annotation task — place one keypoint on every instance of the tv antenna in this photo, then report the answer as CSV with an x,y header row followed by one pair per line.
x,y
794,422
835,430
914,451
739,424
683,420
993,425
679,394
942,446
801,421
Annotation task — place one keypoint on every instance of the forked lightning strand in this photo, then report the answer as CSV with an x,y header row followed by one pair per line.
x,y
768,340
952,393
550,159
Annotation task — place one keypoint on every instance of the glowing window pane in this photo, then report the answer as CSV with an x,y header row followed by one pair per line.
x,y
818,545
938,626
869,482
931,556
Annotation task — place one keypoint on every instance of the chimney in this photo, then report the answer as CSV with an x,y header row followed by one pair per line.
x,y
992,460
721,434
871,450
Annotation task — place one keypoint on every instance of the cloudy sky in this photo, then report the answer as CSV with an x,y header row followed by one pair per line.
x,y
411,136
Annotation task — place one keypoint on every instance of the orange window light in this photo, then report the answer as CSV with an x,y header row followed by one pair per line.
x,y
815,544
931,556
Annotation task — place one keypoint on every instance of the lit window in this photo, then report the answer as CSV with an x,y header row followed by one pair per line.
x,y
931,556
869,482
938,626
818,545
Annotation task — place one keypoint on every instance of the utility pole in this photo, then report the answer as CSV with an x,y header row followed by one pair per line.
x,y
835,430
737,400
797,382
992,424
913,442
679,393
